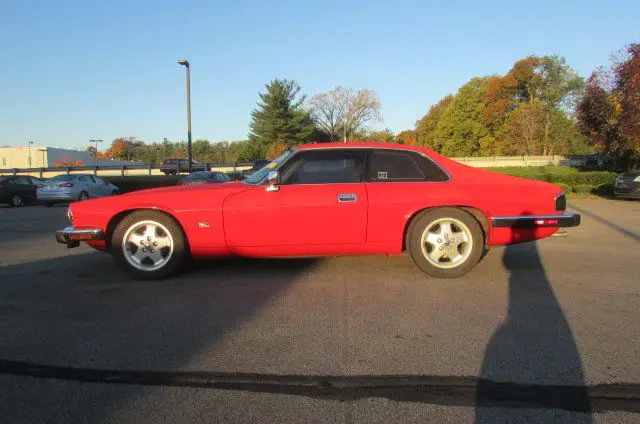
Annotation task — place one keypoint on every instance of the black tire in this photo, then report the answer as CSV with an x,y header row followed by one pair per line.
x,y
83,196
16,201
420,223
180,248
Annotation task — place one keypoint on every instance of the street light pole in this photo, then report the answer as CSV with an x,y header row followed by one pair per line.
x,y
96,152
186,65
30,143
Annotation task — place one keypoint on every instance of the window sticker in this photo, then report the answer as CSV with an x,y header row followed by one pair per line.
x,y
382,175
271,165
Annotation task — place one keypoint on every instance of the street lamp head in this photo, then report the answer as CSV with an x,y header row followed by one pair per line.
x,y
184,62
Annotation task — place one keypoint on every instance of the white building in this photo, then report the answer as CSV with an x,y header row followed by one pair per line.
x,y
45,157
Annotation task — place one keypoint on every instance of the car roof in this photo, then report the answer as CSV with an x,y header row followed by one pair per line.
x,y
360,144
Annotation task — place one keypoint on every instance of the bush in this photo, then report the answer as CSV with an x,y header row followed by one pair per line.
x,y
565,187
582,188
603,190
558,174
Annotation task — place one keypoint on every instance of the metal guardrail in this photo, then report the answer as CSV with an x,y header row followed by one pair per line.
x,y
123,168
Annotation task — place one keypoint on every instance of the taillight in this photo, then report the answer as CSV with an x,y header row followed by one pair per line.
x,y
561,202
40,185
65,185
546,222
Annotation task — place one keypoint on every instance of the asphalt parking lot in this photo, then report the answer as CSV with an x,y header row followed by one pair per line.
x,y
538,332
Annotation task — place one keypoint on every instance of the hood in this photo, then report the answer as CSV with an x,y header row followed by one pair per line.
x,y
188,188
166,198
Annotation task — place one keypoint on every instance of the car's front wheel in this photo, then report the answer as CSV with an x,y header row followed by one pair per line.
x,y
445,242
148,245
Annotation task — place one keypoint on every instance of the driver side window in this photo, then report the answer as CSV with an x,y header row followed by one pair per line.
x,y
338,166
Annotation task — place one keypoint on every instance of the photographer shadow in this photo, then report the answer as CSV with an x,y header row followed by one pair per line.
x,y
532,370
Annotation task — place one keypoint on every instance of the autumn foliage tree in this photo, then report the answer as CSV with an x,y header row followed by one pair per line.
x,y
609,111
524,112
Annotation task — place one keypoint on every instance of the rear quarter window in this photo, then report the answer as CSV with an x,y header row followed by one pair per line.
x,y
399,166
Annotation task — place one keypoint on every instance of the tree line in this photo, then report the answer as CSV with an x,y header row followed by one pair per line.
x,y
541,106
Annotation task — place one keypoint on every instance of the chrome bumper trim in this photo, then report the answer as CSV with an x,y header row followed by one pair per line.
x,y
531,221
73,236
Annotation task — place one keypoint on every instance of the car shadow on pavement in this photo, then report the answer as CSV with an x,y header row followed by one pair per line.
x,y
532,370
81,311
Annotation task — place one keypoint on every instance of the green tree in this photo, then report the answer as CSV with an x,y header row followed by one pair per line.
x,y
426,126
384,136
461,126
279,118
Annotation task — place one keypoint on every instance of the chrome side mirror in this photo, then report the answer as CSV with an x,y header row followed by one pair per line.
x,y
272,181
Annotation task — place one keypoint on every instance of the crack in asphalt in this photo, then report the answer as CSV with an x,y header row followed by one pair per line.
x,y
441,390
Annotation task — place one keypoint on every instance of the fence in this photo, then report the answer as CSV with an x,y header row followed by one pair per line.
x,y
554,160
122,170
155,169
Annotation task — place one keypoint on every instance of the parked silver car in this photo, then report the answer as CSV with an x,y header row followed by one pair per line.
x,y
72,187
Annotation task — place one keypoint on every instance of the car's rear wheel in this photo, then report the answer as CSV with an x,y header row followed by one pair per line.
x,y
16,201
445,242
83,196
148,245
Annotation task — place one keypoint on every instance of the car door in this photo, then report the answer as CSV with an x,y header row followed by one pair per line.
x,y
24,188
321,200
102,189
89,185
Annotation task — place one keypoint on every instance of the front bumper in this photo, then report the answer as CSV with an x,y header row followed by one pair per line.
x,y
72,236
627,192
537,221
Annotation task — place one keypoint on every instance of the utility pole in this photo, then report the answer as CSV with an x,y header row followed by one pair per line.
x,y
96,152
186,65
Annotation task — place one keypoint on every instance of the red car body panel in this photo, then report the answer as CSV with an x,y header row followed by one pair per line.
x,y
235,218
296,215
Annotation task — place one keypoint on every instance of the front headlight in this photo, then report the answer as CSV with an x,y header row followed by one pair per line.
x,y
637,179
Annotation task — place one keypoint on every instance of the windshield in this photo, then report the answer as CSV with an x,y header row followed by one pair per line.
x,y
259,176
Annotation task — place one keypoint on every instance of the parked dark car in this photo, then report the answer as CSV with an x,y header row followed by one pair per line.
x,y
178,165
627,185
257,165
17,190
205,177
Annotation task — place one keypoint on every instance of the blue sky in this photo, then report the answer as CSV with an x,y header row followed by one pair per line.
x,y
77,70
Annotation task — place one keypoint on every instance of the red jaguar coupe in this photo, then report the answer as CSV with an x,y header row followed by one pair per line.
x,y
323,200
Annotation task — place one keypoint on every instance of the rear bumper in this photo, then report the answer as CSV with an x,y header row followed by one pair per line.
x,y
73,236
537,221
58,196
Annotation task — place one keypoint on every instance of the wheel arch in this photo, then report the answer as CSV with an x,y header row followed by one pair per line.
x,y
115,220
476,213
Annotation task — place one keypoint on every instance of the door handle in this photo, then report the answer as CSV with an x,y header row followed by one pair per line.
x,y
347,198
